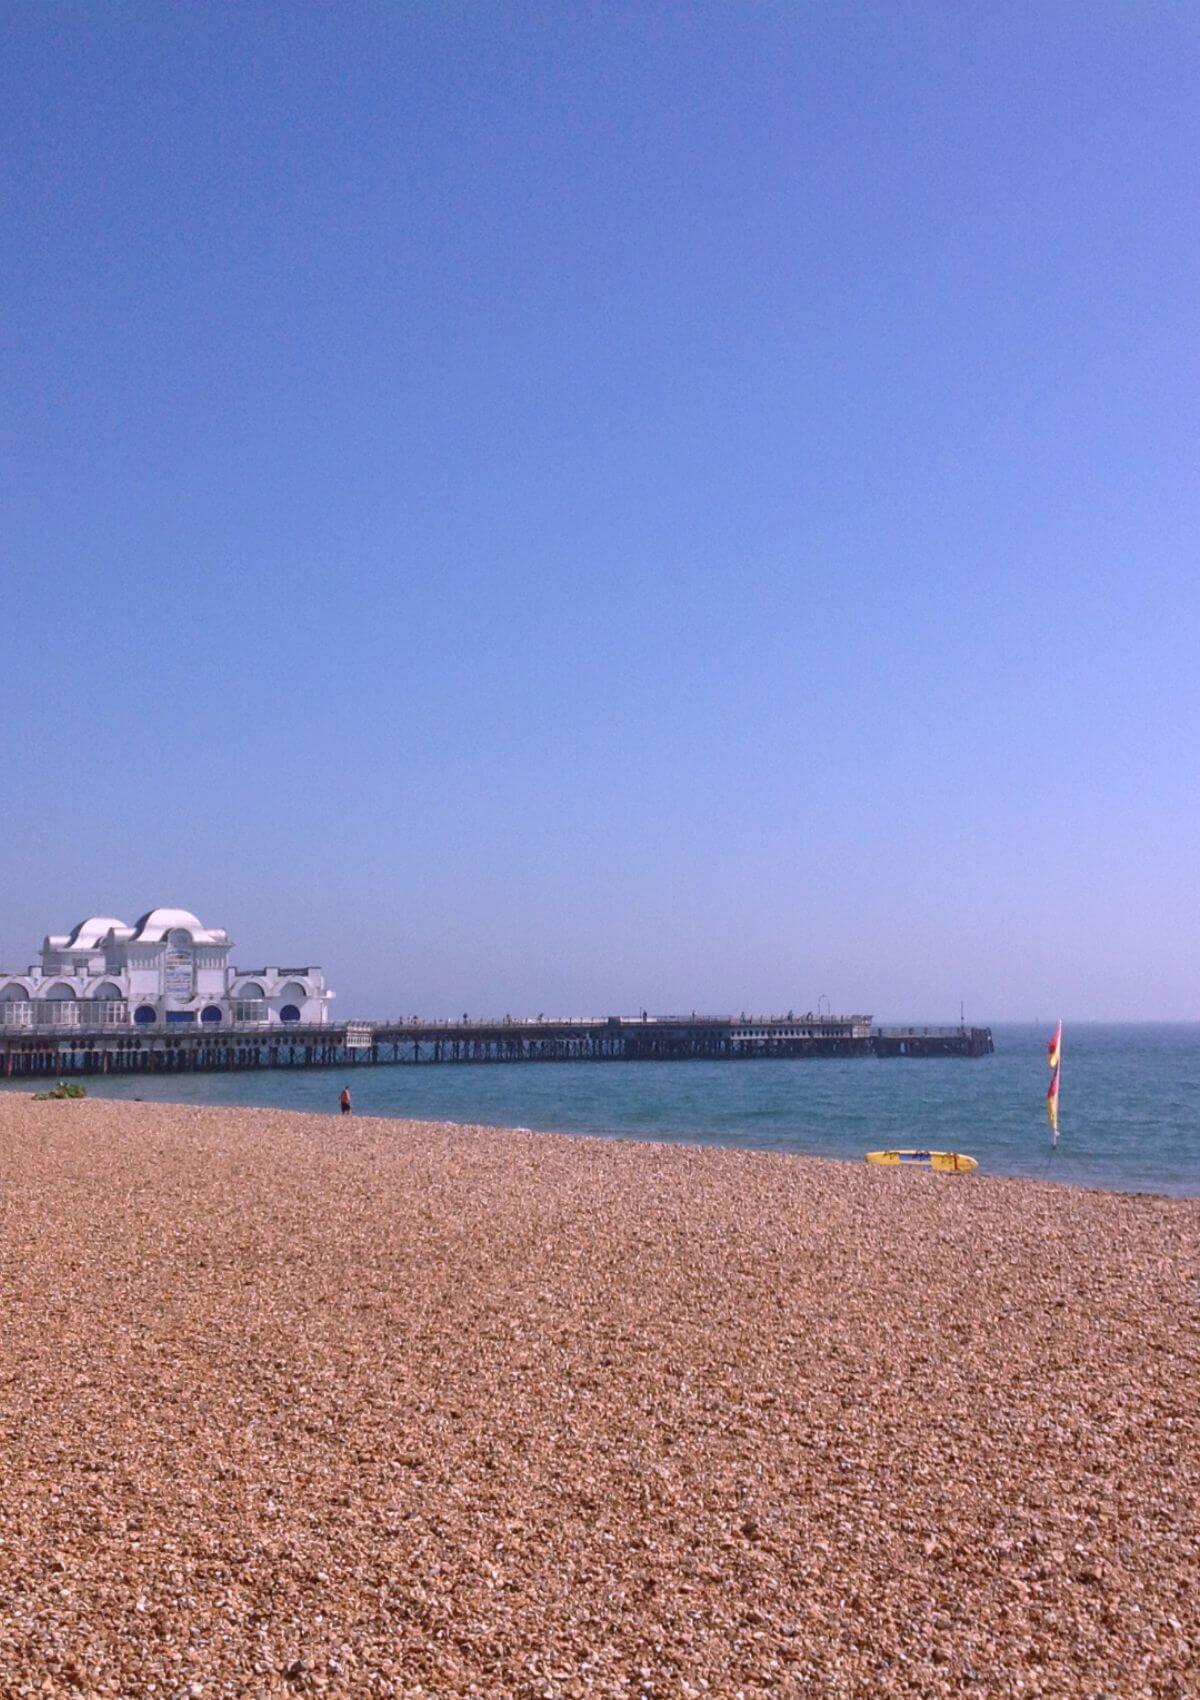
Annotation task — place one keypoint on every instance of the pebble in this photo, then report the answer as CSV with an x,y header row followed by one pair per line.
x,y
413,1410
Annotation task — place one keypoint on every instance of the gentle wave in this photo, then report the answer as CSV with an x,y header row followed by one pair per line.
x,y
1130,1102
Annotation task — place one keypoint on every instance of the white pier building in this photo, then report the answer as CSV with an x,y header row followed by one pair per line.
x,y
166,971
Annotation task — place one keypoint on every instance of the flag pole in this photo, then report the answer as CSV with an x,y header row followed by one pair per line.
x,y
1054,1058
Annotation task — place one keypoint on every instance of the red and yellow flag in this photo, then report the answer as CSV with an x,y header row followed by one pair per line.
x,y
1054,1058
1052,1103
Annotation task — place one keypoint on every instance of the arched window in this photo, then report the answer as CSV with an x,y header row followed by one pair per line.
x,y
60,994
106,992
144,1015
250,1004
16,1006
211,1014
289,1012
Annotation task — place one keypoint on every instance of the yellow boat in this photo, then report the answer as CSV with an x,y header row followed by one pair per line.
x,y
945,1162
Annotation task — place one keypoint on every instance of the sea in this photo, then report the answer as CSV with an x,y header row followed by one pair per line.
x,y
1130,1104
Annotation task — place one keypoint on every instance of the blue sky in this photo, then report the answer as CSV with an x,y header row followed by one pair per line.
x,y
583,507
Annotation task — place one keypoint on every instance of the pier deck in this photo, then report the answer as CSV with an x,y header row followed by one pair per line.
x,y
80,1050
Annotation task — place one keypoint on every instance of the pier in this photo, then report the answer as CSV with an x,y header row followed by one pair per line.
x,y
66,1046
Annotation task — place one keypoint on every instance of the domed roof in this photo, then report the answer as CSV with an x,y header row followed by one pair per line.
x,y
93,930
155,924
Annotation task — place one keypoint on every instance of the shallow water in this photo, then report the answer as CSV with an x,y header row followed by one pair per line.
x,y
1130,1102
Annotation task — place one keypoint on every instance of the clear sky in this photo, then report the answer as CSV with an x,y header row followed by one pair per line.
x,y
581,507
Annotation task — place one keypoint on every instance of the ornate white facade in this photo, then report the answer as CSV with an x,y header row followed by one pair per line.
x,y
167,971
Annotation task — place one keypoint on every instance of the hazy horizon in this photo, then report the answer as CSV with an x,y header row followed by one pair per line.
x,y
599,509
346,976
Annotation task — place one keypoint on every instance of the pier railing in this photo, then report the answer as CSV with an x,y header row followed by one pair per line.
x,y
50,1038
921,1032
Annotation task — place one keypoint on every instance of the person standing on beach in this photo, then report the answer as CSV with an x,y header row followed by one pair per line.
x,y
344,1100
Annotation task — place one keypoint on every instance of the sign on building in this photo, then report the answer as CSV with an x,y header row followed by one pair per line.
x,y
177,973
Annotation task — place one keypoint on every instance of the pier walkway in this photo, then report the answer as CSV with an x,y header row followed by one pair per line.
x,y
61,1051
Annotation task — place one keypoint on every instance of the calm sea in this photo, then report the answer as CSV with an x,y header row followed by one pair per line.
x,y
1130,1102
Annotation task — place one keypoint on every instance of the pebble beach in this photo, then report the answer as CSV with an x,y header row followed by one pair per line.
x,y
291,1404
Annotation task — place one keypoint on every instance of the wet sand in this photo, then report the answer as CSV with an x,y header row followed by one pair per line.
x,y
296,1405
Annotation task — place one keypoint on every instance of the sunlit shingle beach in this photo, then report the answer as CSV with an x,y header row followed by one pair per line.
x,y
380,1408
599,1040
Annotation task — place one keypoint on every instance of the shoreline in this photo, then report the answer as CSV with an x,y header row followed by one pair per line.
x,y
700,1142
396,1409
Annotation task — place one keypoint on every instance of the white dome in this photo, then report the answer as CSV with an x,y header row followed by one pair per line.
x,y
93,930
154,926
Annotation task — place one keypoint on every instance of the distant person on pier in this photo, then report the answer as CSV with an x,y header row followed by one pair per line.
x,y
344,1100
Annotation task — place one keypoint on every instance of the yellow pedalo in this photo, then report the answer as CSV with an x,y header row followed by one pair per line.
x,y
945,1162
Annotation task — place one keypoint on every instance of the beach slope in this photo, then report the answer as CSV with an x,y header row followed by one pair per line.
x,y
291,1405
